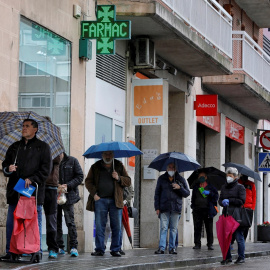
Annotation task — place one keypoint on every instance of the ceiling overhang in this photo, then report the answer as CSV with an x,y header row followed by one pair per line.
x,y
240,91
257,10
175,41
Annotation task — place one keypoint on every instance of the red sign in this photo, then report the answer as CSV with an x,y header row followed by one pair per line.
x,y
212,122
234,131
206,105
265,139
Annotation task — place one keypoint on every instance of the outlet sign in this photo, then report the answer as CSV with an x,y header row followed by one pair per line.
x,y
106,29
206,105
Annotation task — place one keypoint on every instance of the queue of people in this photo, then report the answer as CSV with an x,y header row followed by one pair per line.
x,y
30,159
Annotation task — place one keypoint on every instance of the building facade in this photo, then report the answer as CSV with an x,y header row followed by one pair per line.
x,y
190,47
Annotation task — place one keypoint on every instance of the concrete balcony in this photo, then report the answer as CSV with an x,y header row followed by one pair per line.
x,y
193,36
257,10
248,89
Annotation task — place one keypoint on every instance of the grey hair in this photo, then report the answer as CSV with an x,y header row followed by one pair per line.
x,y
232,170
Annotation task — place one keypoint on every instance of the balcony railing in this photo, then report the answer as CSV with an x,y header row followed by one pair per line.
x,y
208,18
249,58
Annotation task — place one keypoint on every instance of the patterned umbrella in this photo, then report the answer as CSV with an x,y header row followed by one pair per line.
x,y
11,131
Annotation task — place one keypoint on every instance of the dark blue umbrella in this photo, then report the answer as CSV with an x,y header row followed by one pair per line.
x,y
243,169
120,150
182,162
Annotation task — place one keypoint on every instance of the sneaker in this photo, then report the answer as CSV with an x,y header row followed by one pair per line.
x,y
74,252
61,251
6,257
122,252
52,254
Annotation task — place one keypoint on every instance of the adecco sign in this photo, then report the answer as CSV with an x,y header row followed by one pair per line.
x,y
206,105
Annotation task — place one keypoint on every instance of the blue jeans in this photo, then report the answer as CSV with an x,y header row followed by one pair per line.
x,y
168,220
10,222
103,206
240,239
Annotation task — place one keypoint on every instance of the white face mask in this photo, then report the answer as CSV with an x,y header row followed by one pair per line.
x,y
171,173
229,179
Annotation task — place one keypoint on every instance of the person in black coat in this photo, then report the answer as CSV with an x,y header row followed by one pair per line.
x,y
203,206
70,176
170,189
233,195
29,159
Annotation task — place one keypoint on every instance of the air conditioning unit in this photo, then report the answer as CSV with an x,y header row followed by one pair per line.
x,y
145,53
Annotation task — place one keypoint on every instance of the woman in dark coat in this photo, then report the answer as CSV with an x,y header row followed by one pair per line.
x,y
233,195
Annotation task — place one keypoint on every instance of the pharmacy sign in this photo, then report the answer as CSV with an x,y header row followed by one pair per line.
x,y
106,29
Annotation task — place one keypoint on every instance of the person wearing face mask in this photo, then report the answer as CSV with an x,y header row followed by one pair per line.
x,y
233,195
105,182
170,189
203,201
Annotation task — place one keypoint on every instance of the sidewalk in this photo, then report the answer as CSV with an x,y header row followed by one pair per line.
x,y
139,259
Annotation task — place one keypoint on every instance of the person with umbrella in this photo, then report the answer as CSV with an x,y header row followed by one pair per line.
x,y
203,202
250,202
105,182
233,195
29,159
170,189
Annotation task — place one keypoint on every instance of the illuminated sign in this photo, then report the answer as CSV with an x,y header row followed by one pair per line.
x,y
105,29
234,131
206,105
55,44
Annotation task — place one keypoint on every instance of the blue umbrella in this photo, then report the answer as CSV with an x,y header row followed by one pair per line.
x,y
243,169
120,149
182,162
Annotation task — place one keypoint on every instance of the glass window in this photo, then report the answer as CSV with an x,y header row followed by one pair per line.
x,y
103,128
45,71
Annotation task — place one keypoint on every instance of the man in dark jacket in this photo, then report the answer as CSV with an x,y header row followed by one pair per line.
x,y
105,182
170,189
71,176
203,202
50,208
29,159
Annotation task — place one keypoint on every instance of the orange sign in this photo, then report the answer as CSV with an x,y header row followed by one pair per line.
x,y
131,160
147,102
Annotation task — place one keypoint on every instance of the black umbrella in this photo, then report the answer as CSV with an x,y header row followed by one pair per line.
x,y
243,169
214,176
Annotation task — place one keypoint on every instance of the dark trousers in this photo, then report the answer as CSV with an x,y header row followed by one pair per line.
x,y
200,216
50,209
68,210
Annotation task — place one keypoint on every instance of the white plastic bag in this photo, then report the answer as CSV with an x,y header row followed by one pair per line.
x,y
61,198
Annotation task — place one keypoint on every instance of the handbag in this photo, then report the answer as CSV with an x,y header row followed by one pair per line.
x,y
241,215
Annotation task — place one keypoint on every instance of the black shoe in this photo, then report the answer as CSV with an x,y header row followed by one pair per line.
x,y
210,247
6,257
97,253
122,252
239,261
227,261
172,251
197,247
115,254
159,251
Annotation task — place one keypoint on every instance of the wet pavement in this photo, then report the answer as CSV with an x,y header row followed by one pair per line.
x,y
139,259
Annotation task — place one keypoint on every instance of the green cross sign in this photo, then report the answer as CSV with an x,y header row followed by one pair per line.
x,y
55,44
105,29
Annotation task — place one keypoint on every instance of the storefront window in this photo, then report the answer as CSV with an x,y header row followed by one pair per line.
x,y
44,75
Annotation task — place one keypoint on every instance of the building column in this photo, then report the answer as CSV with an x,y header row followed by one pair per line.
x,y
152,137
